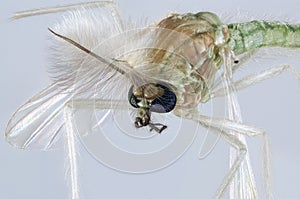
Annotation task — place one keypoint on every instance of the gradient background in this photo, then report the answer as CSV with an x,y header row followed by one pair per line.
x,y
272,106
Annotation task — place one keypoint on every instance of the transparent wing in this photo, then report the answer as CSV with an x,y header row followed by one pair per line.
x,y
38,123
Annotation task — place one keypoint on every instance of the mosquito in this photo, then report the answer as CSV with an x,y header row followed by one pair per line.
x,y
170,66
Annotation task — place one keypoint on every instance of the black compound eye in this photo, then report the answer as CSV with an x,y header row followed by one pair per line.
x,y
166,102
132,98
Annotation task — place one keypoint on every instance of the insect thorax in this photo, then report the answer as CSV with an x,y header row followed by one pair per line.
x,y
188,51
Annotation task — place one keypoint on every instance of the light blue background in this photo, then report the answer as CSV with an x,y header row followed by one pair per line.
x,y
272,106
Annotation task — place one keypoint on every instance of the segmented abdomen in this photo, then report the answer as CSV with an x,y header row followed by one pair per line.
x,y
256,34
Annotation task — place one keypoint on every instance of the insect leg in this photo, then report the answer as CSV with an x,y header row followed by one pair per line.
x,y
88,5
71,152
71,138
258,77
224,127
243,185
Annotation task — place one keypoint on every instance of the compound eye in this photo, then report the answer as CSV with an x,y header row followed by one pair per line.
x,y
164,103
132,98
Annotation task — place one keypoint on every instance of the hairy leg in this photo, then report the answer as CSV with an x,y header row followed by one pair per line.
x,y
258,77
87,5
224,127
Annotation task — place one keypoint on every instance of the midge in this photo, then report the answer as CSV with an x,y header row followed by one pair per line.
x,y
103,62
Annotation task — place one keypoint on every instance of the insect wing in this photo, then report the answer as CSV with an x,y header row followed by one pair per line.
x,y
38,123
